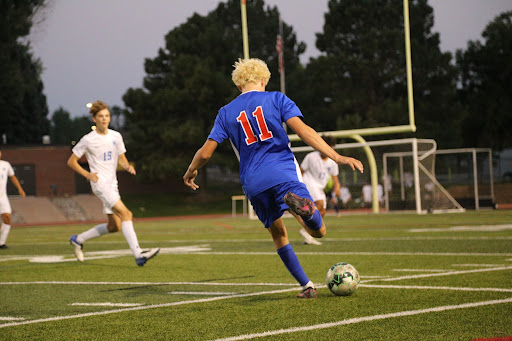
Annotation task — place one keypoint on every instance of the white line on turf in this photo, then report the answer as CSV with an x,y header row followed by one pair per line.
x,y
107,304
213,293
365,319
152,283
10,318
420,287
465,228
422,270
444,274
115,311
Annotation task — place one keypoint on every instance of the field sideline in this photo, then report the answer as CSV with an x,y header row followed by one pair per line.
x,y
429,277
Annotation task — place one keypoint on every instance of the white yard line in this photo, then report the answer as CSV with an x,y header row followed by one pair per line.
x,y
107,304
115,311
296,285
10,318
205,293
449,273
365,319
420,287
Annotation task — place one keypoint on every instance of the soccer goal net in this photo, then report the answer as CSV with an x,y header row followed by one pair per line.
x,y
406,175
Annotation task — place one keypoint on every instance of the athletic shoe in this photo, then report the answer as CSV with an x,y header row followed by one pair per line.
x,y
308,293
3,246
78,248
300,206
146,255
307,238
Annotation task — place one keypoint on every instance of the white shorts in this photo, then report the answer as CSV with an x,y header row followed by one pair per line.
x,y
107,192
317,194
5,205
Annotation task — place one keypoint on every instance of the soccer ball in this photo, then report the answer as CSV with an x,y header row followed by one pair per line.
x,y
342,279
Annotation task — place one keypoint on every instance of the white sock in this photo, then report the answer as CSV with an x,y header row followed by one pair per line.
x,y
308,285
95,232
4,232
131,237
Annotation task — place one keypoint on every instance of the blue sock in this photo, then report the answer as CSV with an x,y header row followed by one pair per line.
x,y
313,221
291,262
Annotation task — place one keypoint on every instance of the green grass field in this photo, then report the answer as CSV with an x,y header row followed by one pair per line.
x,y
428,277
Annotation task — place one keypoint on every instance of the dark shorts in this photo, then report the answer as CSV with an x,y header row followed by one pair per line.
x,y
269,205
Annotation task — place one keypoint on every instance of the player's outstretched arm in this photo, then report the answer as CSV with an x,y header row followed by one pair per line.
x,y
311,137
74,165
200,159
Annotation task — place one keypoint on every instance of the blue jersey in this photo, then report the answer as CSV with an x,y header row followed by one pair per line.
x,y
253,122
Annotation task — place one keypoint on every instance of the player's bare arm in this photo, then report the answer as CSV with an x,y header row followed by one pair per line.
x,y
74,165
17,184
200,159
311,137
123,162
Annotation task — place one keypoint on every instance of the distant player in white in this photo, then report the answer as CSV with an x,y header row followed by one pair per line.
x,y
6,172
104,149
316,170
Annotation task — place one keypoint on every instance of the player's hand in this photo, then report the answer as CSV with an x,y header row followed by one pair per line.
x,y
189,178
351,162
131,170
22,193
92,177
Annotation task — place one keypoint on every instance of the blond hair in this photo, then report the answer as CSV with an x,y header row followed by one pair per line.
x,y
249,71
96,107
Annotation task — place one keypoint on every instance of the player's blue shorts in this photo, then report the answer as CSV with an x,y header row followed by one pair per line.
x,y
269,205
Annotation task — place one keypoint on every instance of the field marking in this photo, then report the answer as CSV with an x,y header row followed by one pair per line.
x,y
267,240
153,283
10,318
420,287
163,305
424,270
485,265
107,304
443,274
212,293
365,319
262,253
494,228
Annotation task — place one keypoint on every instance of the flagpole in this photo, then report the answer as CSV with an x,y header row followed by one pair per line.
x,y
281,62
245,35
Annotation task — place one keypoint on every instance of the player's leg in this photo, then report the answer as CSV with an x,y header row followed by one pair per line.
x,y
285,251
78,240
126,217
5,229
298,199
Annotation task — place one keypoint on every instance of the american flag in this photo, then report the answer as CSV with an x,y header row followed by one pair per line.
x,y
279,49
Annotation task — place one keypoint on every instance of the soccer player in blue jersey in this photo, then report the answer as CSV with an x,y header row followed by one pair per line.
x,y
269,173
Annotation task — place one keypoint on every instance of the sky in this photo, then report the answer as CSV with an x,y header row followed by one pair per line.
x,y
95,49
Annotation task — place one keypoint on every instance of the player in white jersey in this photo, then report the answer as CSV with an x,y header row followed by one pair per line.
x,y
104,149
6,172
316,170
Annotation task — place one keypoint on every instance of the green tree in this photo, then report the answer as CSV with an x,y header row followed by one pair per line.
x,y
64,130
190,80
486,80
359,81
24,108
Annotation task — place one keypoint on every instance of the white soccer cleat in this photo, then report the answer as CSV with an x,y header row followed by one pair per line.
x,y
78,248
146,255
307,238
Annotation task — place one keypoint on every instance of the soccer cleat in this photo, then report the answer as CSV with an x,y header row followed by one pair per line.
x,y
78,248
3,246
308,293
146,255
300,206
307,238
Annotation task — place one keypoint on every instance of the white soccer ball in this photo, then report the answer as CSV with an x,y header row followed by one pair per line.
x,y
342,279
